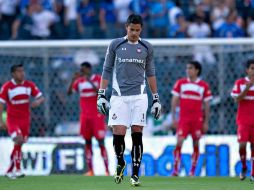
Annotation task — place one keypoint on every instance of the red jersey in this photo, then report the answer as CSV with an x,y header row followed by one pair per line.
x,y
17,98
192,95
87,93
245,114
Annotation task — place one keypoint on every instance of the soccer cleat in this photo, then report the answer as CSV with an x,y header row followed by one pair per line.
x,y
252,178
89,173
174,174
119,173
243,174
19,174
135,180
107,173
10,175
192,174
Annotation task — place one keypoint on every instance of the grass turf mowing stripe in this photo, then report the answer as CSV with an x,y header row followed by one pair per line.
x,y
77,182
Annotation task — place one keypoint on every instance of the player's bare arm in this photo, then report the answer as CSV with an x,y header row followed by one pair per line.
x,y
75,76
207,115
37,102
245,91
174,104
2,124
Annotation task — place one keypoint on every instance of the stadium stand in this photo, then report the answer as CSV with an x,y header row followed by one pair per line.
x,y
83,19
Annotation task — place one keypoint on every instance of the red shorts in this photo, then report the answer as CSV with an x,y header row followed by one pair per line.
x,y
92,126
18,126
245,133
193,128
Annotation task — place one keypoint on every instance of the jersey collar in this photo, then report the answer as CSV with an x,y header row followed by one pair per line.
x,y
13,81
247,79
197,80
125,37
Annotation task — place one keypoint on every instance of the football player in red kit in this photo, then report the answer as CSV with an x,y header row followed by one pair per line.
x,y
191,94
16,95
92,123
243,93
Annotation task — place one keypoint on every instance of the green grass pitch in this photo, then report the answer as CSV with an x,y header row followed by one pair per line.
x,y
77,182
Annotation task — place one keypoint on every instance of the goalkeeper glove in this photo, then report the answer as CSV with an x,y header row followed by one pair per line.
x,y
156,107
102,102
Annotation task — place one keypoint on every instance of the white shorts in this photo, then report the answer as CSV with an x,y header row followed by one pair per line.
x,y
128,110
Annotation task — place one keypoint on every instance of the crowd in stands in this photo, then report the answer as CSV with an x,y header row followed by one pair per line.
x,y
86,19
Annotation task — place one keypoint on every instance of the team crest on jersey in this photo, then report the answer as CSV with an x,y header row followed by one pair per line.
x,y
139,50
114,116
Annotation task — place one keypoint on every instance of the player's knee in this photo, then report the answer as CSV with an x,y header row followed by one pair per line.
x,y
88,141
119,130
196,143
18,140
101,142
179,141
136,129
242,145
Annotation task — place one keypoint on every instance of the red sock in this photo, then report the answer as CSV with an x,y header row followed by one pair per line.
x,y
242,153
252,162
177,159
89,156
12,158
104,156
194,158
18,156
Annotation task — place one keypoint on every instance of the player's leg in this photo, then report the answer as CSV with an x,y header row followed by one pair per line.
x,y
182,132
16,157
138,105
19,141
9,172
17,137
251,133
252,160
99,131
243,138
86,132
177,155
25,129
89,157
12,130
194,157
119,119
13,155
104,155
196,133
136,153
119,132
242,153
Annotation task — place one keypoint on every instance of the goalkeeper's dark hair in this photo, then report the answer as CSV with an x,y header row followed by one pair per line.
x,y
197,66
86,65
15,67
134,19
249,63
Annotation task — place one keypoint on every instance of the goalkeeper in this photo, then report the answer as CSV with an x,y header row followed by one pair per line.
x,y
130,60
